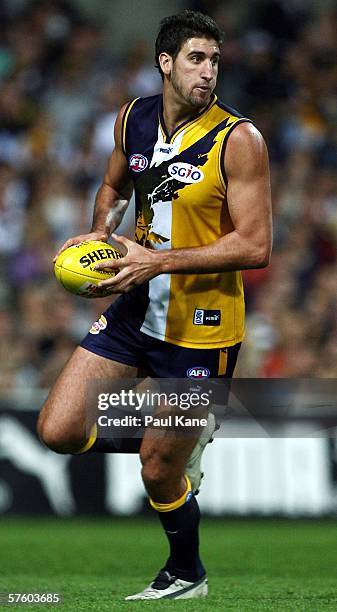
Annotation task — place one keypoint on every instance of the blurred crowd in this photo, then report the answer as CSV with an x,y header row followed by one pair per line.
x,y
60,90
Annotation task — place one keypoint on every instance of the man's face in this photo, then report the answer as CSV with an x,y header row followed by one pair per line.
x,y
194,71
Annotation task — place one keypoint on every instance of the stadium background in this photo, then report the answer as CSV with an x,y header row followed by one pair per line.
x,y
66,66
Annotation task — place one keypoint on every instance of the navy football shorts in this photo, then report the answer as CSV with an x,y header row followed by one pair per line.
x,y
117,336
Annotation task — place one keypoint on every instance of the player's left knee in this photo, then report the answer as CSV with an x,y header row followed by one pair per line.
x,y
58,438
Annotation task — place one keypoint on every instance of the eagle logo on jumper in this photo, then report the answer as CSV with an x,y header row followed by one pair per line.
x,y
161,207
170,171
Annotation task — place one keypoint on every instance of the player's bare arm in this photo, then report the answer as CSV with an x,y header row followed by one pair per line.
x,y
112,197
249,243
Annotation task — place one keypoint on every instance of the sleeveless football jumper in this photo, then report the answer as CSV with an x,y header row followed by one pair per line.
x,y
180,192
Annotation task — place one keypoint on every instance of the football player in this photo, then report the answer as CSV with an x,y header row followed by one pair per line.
x,y
203,213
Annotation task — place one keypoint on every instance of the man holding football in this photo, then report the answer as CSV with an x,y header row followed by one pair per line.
x,y
203,213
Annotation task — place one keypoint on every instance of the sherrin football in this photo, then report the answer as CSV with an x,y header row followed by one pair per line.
x,y
75,268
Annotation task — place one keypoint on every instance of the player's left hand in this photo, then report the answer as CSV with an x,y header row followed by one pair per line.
x,y
138,266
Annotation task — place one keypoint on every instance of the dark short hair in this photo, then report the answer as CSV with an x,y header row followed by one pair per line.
x,y
176,29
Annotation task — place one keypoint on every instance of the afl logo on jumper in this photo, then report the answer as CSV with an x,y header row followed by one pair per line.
x,y
185,173
198,372
138,162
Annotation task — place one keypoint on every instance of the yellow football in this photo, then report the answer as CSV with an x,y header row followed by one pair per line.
x,y
75,268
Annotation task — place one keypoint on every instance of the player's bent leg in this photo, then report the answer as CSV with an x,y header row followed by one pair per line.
x,y
62,420
193,466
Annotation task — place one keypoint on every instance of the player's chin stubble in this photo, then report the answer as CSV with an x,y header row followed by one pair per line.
x,y
196,102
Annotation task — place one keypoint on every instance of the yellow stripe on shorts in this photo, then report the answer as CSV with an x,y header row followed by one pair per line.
x,y
223,358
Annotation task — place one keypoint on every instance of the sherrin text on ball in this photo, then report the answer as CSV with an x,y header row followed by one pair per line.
x,y
75,268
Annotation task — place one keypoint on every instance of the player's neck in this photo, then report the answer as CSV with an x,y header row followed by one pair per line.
x,y
176,111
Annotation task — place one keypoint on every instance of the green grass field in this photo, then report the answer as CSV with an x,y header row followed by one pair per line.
x,y
252,565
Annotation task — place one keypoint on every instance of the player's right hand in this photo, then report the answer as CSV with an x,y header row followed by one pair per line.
x,y
78,239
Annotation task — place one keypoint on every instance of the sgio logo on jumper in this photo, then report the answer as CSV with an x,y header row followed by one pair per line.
x,y
206,317
185,173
